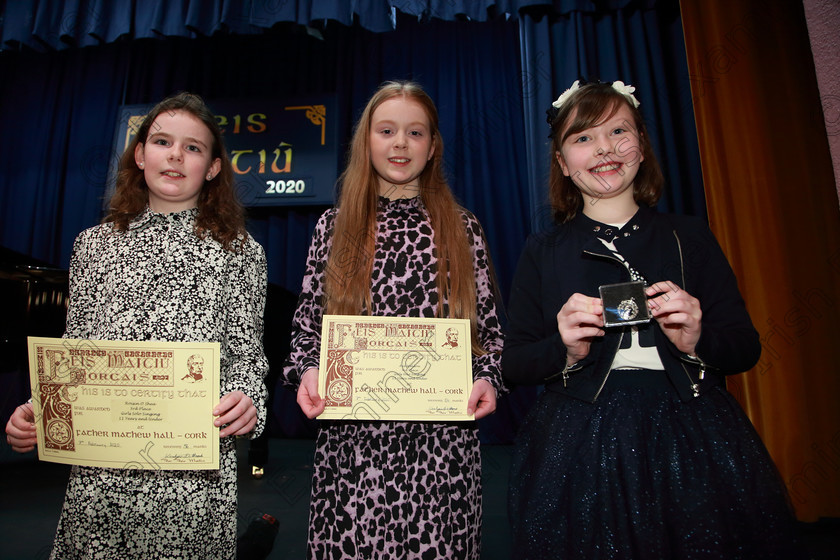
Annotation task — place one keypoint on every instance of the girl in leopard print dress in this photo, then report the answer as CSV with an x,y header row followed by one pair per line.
x,y
396,245
171,262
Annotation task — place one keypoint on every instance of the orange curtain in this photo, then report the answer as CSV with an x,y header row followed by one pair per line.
x,y
772,204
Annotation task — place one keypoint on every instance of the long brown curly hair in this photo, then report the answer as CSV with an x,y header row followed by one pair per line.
x,y
347,287
220,214
589,106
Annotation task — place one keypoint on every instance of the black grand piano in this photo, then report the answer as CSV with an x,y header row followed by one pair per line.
x,y
33,302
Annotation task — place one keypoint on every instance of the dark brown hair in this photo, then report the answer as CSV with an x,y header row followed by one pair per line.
x,y
219,212
347,288
589,106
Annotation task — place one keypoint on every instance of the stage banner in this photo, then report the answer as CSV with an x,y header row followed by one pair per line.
x,y
283,151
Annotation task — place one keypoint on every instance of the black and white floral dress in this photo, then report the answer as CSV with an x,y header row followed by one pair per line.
x,y
159,281
396,489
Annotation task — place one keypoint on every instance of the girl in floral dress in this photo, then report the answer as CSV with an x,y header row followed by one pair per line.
x,y
171,262
396,245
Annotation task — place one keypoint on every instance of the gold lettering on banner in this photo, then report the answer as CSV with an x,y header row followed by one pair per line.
x,y
317,114
288,153
132,127
284,150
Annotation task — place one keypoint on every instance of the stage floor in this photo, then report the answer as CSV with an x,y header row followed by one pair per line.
x,y
32,492
31,495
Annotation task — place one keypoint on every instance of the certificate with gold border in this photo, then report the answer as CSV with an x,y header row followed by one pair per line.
x,y
131,405
395,368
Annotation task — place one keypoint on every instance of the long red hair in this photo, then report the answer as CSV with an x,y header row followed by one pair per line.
x,y
354,233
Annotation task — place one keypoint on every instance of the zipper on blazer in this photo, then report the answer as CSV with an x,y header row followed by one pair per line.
x,y
604,256
620,338
604,382
695,387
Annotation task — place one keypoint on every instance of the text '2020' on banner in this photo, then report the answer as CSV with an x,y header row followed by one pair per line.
x,y
284,152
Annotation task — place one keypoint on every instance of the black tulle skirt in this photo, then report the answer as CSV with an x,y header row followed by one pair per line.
x,y
642,474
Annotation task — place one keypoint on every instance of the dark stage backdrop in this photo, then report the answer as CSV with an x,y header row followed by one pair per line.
x,y
491,75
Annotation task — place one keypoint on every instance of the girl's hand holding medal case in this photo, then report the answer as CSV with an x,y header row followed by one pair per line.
x,y
624,304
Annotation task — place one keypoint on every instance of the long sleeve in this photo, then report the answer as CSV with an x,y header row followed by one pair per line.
x,y
728,340
490,336
306,324
533,350
85,284
246,366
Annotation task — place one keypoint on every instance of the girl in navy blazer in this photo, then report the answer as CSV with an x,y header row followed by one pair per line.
x,y
635,449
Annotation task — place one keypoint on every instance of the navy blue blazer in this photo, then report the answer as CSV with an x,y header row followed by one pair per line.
x,y
569,258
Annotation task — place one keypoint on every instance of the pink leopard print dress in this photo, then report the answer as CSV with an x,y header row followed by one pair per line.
x,y
396,489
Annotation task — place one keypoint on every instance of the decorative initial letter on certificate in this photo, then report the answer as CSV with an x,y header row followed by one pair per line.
x,y
395,368
133,405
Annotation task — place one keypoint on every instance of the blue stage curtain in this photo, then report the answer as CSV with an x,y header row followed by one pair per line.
x,y
63,108
492,81
59,24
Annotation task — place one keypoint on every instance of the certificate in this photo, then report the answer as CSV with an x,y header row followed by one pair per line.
x,y
131,405
395,368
